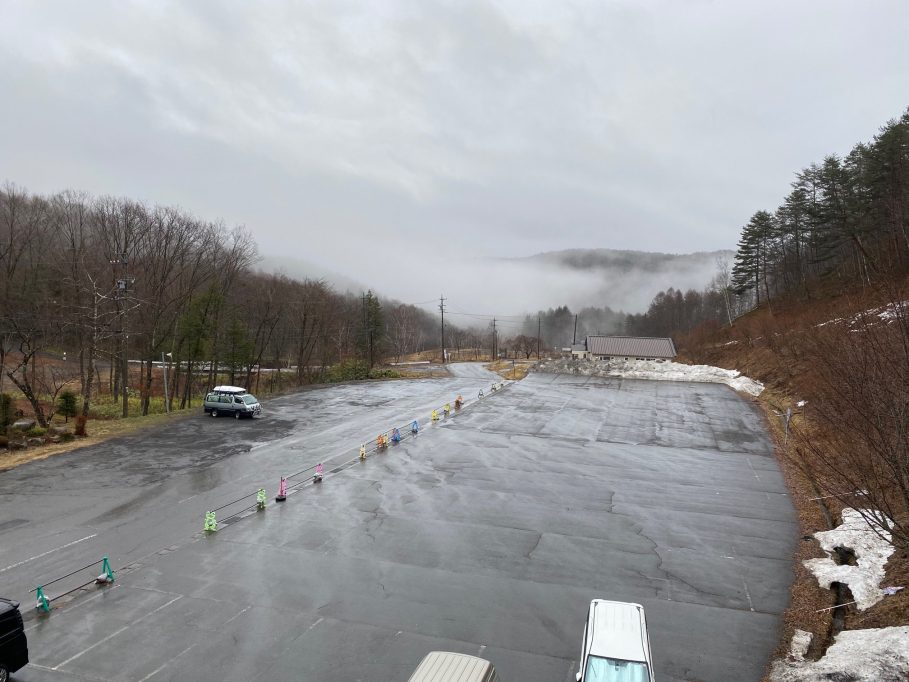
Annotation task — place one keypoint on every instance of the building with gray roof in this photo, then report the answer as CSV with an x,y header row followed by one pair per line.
x,y
630,348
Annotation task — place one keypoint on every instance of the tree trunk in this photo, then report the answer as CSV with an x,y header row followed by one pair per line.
x,y
27,391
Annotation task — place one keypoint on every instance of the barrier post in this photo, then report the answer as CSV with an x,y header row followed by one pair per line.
x,y
363,451
447,409
282,491
43,604
211,523
107,575
414,427
435,415
260,499
317,477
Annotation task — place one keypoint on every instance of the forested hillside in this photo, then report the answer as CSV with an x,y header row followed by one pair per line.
x,y
89,283
844,224
822,284
846,219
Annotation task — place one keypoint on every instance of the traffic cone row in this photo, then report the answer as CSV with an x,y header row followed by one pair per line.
x,y
382,441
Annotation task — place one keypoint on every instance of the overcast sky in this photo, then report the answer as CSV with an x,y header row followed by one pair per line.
x,y
392,142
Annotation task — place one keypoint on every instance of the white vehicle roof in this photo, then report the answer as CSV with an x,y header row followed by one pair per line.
x,y
228,389
617,630
447,666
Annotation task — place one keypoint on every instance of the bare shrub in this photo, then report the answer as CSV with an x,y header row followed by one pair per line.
x,y
861,406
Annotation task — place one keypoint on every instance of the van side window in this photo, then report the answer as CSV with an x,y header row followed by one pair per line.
x,y
225,399
238,400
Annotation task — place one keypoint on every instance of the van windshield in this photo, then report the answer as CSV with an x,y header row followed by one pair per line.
x,y
613,670
249,399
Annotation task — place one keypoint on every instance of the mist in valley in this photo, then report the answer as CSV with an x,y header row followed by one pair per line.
x,y
623,281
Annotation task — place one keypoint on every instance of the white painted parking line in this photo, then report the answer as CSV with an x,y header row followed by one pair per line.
x,y
79,603
570,676
747,594
67,675
233,618
114,634
159,669
50,551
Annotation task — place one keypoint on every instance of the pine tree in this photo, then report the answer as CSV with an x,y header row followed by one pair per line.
x,y
66,404
371,337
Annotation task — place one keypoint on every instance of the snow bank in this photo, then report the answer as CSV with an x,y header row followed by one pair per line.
x,y
871,552
655,370
873,655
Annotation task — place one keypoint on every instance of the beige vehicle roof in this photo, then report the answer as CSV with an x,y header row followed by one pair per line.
x,y
446,666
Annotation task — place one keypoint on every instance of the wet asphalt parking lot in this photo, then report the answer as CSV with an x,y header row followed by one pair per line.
x,y
487,534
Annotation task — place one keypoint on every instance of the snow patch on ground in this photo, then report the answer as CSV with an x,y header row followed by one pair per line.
x,y
801,641
655,370
887,314
873,655
871,548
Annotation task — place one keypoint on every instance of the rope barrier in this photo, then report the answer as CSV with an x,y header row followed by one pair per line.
x,y
56,580
43,602
239,499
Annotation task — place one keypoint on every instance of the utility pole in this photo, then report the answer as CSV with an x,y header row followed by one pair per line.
x,y
166,393
442,308
367,334
495,354
123,292
575,330
538,336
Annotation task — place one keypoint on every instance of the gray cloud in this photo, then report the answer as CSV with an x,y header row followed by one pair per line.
x,y
397,143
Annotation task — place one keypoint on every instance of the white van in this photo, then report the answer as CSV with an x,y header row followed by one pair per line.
x,y
446,666
231,400
616,647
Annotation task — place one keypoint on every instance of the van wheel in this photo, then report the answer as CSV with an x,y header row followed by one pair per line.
x,y
214,413
237,414
4,673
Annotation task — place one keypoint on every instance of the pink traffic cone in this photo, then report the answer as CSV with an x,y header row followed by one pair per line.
x,y
282,490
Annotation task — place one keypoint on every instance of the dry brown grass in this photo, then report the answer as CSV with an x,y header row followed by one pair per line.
x,y
99,430
807,598
435,355
421,372
511,369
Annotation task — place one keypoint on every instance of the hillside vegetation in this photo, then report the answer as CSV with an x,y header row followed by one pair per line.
x,y
817,308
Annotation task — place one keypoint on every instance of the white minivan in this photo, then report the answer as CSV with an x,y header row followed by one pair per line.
x,y
231,400
616,647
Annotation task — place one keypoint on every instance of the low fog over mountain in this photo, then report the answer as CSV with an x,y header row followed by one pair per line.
x,y
623,280
578,278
